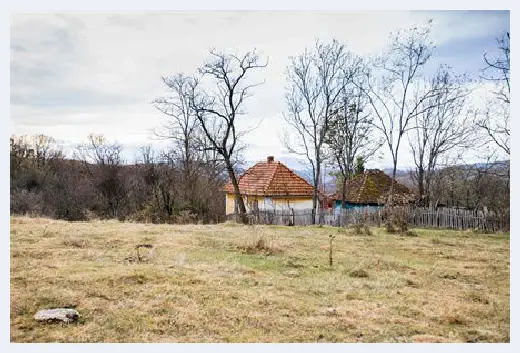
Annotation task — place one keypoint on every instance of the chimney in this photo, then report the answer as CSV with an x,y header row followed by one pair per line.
x,y
270,159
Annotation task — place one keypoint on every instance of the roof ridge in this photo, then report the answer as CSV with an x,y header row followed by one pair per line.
x,y
292,172
362,188
271,178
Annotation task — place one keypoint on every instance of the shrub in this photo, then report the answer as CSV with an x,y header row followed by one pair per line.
x,y
259,245
396,221
26,202
186,217
358,273
361,229
390,227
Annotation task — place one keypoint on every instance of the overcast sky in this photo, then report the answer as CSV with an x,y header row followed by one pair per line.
x,y
75,74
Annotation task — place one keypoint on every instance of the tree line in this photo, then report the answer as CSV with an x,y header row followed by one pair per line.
x,y
341,109
98,183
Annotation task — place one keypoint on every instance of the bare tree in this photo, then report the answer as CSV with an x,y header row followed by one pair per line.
x,y
45,149
183,128
316,79
441,127
160,178
38,153
498,69
494,119
392,89
34,162
217,109
351,135
102,161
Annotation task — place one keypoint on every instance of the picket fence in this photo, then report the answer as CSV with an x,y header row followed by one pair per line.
x,y
451,218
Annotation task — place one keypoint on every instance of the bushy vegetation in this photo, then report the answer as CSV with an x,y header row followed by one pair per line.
x,y
98,183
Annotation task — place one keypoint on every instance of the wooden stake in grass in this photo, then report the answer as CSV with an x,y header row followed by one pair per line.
x,y
330,249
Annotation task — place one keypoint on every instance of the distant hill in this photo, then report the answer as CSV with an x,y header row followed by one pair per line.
x,y
403,176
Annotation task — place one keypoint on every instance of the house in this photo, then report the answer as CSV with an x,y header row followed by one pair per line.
x,y
371,189
270,185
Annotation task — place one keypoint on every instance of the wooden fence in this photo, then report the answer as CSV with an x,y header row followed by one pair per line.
x,y
451,218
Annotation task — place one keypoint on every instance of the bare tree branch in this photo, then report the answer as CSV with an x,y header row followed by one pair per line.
x,y
217,110
390,88
316,79
441,127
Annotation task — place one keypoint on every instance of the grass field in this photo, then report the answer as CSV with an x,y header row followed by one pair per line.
x,y
213,284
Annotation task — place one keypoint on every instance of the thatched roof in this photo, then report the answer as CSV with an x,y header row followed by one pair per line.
x,y
372,187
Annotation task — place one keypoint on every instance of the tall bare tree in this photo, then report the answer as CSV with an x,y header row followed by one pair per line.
x,y
183,129
218,105
494,119
443,125
350,135
316,79
392,88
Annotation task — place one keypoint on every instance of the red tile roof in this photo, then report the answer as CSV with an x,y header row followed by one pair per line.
x,y
271,178
372,187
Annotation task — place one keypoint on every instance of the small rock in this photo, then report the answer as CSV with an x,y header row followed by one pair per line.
x,y
292,273
59,314
331,311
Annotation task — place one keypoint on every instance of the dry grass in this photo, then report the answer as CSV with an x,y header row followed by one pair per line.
x,y
202,284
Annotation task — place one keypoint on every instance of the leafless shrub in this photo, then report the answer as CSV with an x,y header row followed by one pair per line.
x,y
98,185
186,217
396,220
360,229
260,245
358,273
26,202
389,227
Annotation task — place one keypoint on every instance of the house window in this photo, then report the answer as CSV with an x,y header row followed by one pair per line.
x,y
268,202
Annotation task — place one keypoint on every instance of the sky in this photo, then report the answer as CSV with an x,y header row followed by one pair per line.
x,y
78,73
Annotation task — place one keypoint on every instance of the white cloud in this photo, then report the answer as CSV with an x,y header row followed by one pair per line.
x,y
118,60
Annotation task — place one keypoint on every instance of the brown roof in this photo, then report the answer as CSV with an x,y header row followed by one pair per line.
x,y
373,187
271,178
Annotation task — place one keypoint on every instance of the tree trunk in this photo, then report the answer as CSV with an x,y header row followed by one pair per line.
x,y
188,180
238,198
391,192
315,195
314,203
420,186
344,192
427,188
